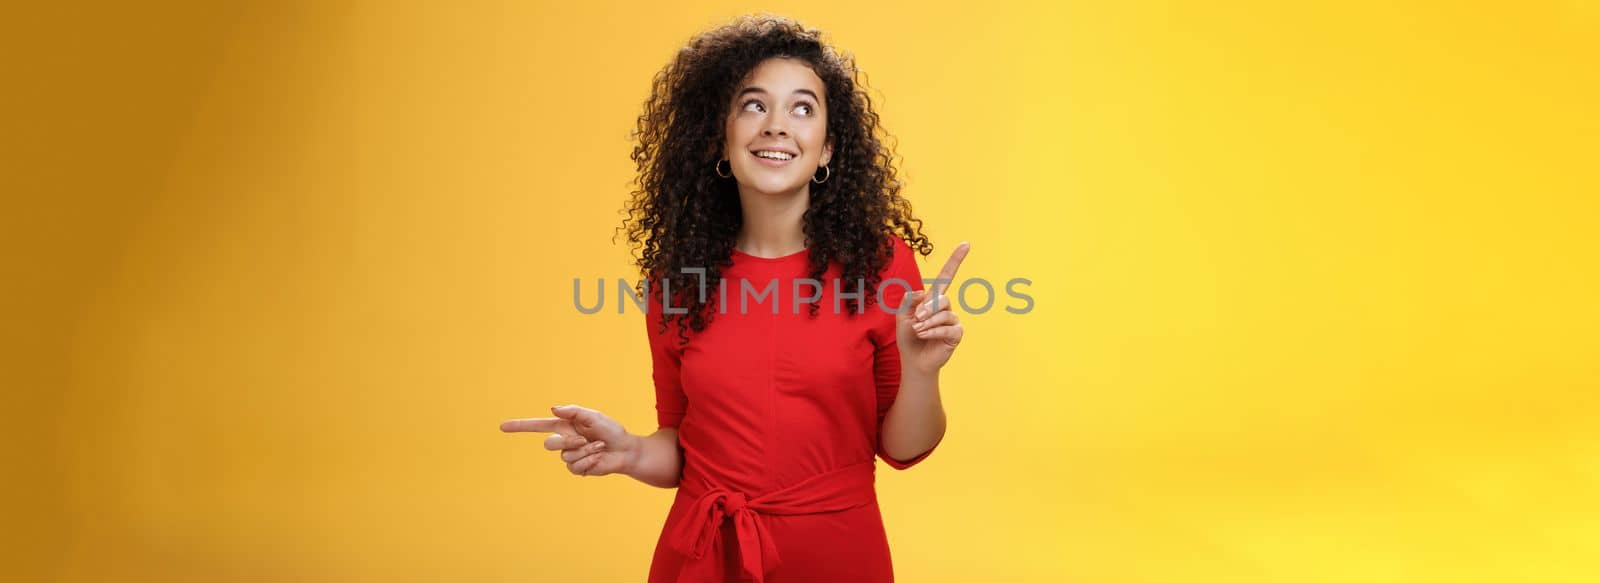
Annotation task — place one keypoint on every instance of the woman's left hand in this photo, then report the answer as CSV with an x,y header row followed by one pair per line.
x,y
929,331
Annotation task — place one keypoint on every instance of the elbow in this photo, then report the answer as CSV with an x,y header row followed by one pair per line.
x,y
901,462
902,457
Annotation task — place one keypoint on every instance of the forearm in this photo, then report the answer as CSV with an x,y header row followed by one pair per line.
x,y
658,461
916,421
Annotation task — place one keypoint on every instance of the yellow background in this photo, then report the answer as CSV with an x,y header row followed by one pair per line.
x,y
1315,287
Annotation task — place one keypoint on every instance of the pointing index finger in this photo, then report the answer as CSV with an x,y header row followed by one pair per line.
x,y
540,424
948,273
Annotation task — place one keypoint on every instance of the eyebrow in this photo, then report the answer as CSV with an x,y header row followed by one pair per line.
x,y
753,89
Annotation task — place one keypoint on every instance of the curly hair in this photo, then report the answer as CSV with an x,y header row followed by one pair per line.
x,y
682,214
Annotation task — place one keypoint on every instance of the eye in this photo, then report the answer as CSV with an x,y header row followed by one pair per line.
x,y
806,106
754,102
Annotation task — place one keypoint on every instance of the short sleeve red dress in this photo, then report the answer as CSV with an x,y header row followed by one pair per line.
x,y
778,416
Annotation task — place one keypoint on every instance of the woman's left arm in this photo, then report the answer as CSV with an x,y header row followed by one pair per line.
x,y
915,423
928,332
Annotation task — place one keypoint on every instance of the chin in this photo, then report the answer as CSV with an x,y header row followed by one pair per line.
x,y
774,186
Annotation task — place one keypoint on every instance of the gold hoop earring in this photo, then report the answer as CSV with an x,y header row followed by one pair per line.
x,y
718,168
826,174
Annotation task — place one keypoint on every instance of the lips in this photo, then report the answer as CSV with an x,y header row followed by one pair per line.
x,y
774,156
771,162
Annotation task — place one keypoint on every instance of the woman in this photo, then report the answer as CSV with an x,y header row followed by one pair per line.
x,y
764,187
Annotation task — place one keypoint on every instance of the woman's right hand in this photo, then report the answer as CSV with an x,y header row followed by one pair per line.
x,y
591,443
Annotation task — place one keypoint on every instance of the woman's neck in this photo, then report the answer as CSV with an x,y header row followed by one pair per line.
x,y
773,224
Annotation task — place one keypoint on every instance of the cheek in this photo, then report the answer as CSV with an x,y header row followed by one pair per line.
x,y
815,138
815,144
736,135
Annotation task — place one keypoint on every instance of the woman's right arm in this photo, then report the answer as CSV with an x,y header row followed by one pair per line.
x,y
657,461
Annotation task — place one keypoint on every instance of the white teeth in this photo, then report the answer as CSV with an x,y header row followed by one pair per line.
x,y
775,155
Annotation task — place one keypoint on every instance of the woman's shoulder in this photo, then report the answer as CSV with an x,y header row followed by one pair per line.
x,y
902,262
900,252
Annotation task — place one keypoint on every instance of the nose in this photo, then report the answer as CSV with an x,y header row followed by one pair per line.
x,y
775,126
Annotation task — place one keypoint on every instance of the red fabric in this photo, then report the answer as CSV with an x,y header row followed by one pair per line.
x,y
778,419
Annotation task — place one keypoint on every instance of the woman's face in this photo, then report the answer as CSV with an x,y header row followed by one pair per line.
x,y
777,129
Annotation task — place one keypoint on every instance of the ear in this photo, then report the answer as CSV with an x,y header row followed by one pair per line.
x,y
827,151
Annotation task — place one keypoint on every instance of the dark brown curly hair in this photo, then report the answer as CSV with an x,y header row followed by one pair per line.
x,y
682,214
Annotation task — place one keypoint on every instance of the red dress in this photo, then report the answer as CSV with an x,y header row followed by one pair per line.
x,y
778,419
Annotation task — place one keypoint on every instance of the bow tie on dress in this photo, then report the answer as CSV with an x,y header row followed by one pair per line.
x,y
698,533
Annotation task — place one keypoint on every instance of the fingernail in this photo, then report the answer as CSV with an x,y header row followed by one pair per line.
x,y
599,445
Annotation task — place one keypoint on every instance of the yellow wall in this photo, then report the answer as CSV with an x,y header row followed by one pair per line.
x,y
1315,288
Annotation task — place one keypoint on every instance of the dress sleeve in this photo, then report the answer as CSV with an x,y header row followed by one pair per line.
x,y
886,355
666,357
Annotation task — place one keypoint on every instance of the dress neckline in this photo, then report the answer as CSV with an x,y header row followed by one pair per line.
x,y
797,255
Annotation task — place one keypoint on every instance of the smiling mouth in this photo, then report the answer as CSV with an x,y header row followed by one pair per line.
x,y
773,157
